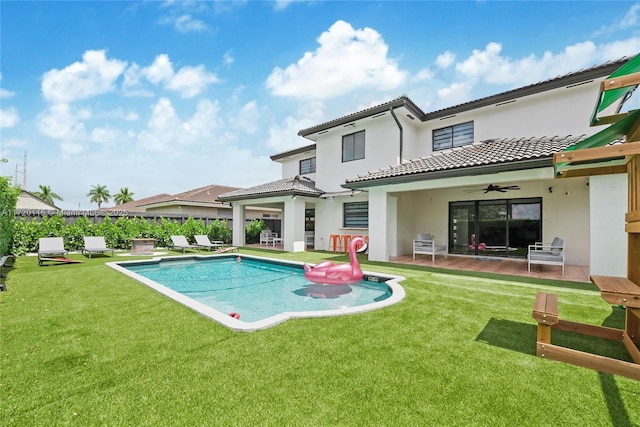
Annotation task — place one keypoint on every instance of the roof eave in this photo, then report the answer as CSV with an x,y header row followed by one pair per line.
x,y
396,103
274,194
454,173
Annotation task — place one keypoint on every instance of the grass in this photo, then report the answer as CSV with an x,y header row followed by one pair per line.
x,y
82,344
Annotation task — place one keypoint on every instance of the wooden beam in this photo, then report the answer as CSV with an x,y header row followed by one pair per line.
x,y
592,330
607,365
632,227
607,120
632,216
597,153
620,82
631,348
594,171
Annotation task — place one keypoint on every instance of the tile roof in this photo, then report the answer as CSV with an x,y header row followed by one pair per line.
x,y
297,185
492,152
207,195
135,206
203,195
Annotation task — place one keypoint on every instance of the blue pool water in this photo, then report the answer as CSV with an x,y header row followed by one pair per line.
x,y
255,288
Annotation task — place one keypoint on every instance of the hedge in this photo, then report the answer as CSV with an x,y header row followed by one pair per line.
x,y
117,234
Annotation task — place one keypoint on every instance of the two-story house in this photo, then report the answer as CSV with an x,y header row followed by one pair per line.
x,y
479,176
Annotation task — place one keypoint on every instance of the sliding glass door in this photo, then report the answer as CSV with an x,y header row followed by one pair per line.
x,y
495,227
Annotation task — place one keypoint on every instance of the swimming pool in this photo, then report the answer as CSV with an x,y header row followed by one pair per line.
x,y
263,291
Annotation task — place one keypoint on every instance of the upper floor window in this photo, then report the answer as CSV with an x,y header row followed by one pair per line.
x,y
356,215
308,166
453,136
353,146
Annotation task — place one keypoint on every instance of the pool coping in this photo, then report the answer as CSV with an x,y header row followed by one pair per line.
x,y
392,281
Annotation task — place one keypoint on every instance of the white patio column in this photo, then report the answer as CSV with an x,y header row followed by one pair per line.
x,y
383,225
239,237
293,227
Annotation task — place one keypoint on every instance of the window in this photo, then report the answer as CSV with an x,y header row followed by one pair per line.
x,y
308,166
453,136
353,146
504,227
356,215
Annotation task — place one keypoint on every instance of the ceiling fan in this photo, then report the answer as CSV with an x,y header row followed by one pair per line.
x,y
500,188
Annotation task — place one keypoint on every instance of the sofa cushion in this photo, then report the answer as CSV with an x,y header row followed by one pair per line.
x,y
557,242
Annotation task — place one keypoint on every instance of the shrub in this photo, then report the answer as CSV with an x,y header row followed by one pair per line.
x,y
8,200
253,230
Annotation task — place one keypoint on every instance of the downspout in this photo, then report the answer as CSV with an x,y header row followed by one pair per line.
x,y
401,132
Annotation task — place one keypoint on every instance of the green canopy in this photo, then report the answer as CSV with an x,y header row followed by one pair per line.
x,y
606,98
604,137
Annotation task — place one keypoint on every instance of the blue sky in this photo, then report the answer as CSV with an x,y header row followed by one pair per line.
x,y
164,97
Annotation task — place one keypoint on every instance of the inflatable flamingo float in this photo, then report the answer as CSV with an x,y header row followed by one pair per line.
x,y
328,273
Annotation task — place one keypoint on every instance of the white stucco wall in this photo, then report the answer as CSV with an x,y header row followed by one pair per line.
x,y
608,203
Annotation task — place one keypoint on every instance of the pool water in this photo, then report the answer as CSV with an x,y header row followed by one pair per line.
x,y
256,289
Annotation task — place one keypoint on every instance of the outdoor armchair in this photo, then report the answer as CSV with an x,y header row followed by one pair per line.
x,y
547,253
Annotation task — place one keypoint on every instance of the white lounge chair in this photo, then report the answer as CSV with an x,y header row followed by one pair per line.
x,y
547,253
202,241
50,246
426,244
180,242
267,236
95,244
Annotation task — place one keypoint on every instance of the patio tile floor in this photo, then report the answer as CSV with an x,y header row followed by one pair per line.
x,y
515,267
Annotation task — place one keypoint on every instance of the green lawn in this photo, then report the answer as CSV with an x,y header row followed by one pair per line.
x,y
82,344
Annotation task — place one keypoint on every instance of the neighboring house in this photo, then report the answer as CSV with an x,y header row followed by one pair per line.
x,y
199,202
30,201
479,172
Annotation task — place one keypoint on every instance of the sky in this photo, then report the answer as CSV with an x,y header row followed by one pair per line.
x,y
168,96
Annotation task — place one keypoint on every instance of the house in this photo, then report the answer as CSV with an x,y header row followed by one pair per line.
x,y
29,201
199,202
479,176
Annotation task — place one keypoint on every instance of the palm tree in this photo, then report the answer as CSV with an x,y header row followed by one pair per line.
x,y
46,194
99,194
124,196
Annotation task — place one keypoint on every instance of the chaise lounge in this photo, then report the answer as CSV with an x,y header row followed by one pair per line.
x,y
48,246
202,241
180,242
95,244
547,253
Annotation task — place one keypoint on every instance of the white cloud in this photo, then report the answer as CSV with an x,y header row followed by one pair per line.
x,y
346,60
9,117
424,74
247,118
630,20
166,131
284,136
60,121
191,81
444,60
188,81
489,66
160,70
187,24
228,58
93,76
454,94
106,135
4,93
282,4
